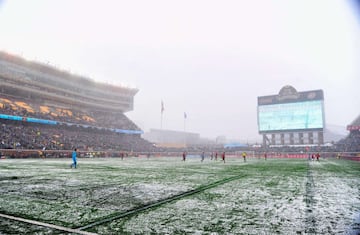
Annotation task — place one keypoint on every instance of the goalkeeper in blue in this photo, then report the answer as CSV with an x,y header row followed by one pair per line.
x,y
74,156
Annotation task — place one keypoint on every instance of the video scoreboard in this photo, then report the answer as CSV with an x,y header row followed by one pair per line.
x,y
291,111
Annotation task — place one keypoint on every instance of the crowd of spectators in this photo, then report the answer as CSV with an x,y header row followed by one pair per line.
x,y
22,135
89,130
351,143
24,108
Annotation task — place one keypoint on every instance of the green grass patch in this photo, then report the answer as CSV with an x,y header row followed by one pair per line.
x,y
273,196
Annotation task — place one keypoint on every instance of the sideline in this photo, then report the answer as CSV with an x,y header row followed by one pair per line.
x,y
57,227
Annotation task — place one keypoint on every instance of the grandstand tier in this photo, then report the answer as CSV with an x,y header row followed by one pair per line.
x,y
33,80
351,142
45,108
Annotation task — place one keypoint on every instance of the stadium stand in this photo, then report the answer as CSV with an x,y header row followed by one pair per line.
x,y
351,143
42,107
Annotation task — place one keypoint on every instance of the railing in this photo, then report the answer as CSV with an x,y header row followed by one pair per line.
x,y
38,153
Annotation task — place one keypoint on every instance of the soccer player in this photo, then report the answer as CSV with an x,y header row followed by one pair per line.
x,y
74,155
202,156
223,156
265,156
244,156
184,156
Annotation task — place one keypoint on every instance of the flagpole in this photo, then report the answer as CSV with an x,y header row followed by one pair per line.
x,y
162,111
161,120
185,116
184,124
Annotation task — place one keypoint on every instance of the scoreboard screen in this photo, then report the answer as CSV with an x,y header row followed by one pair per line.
x,y
305,115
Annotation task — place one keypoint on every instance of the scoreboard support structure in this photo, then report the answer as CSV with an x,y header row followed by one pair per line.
x,y
294,138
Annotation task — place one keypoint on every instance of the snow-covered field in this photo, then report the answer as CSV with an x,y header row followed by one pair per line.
x,y
167,196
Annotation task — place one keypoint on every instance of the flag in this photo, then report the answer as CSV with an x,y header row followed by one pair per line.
x,y
162,107
185,115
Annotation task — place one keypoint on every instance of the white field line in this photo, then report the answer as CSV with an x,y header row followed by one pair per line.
x,y
70,230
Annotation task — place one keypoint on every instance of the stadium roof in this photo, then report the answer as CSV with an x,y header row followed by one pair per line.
x,y
50,69
356,121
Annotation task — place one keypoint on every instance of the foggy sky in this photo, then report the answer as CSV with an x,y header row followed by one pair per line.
x,y
210,59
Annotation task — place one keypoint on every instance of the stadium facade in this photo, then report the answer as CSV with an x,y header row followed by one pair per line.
x,y
291,117
35,81
62,109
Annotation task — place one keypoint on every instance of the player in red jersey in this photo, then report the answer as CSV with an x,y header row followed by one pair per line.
x,y
223,156
184,156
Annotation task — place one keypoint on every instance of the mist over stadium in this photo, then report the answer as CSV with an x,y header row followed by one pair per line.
x,y
212,68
